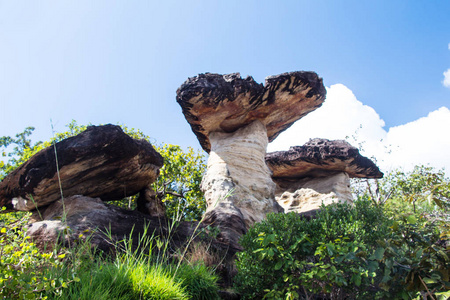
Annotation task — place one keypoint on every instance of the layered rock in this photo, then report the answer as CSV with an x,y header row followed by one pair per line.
x,y
320,157
237,177
234,119
317,173
101,162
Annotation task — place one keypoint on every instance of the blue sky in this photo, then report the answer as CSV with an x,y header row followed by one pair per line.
x,y
122,61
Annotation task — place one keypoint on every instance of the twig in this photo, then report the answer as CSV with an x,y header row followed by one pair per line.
x,y
428,291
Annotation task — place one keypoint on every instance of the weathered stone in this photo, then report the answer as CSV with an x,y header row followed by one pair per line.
x,y
149,203
225,103
237,177
101,162
93,218
308,194
106,225
318,158
89,217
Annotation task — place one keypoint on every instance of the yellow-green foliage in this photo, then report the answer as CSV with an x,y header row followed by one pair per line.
x,y
25,271
179,182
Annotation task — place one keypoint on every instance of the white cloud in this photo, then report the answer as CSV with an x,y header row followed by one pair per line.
x,y
446,81
448,46
341,115
424,141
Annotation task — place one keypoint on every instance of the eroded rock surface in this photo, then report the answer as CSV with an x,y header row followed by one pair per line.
x,y
321,157
101,162
89,217
225,103
308,194
237,181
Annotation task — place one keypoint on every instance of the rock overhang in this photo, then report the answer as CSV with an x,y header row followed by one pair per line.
x,y
320,158
225,103
102,161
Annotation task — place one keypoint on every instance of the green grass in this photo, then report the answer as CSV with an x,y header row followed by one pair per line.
x,y
198,280
124,280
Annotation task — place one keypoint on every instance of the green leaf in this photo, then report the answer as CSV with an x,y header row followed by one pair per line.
x,y
330,249
278,265
378,254
443,295
429,280
411,219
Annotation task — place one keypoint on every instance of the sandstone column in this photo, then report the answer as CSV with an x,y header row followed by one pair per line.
x,y
237,175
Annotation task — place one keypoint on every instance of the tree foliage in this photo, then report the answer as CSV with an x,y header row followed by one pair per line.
x,y
179,181
423,192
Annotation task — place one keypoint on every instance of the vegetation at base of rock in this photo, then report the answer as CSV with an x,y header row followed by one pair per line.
x,y
286,253
26,272
199,282
80,272
178,184
392,244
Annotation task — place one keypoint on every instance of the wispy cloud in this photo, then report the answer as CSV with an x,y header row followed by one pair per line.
x,y
423,141
446,81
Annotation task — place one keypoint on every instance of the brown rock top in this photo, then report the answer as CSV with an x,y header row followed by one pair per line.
x,y
225,103
321,157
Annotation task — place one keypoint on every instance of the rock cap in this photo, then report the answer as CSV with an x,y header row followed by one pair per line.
x,y
225,103
321,157
102,161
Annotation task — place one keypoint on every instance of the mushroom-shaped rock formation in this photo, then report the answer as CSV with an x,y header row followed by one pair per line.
x,y
317,172
101,162
234,119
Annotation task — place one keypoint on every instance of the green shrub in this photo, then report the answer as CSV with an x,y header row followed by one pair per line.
x,y
346,252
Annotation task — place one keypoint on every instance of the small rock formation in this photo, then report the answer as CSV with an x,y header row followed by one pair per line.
x,y
83,217
101,162
234,119
317,172
65,221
